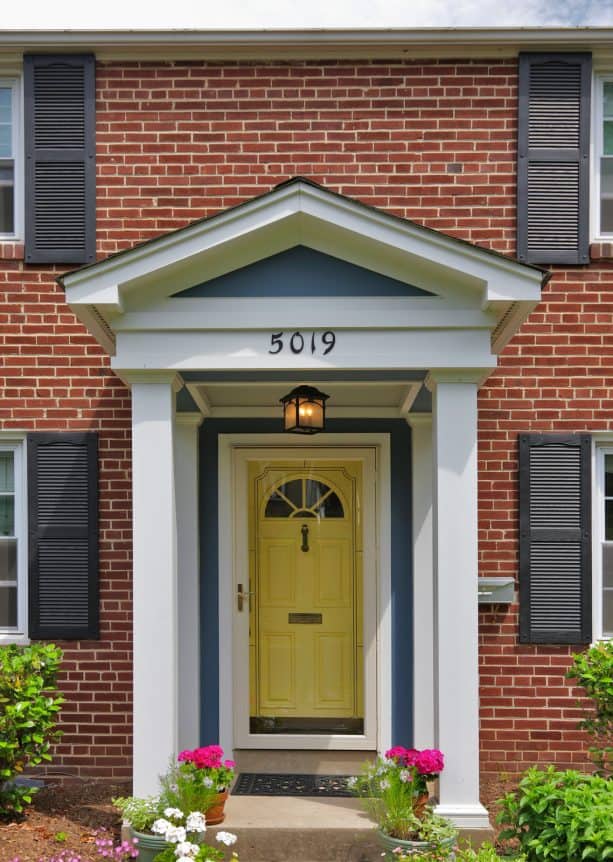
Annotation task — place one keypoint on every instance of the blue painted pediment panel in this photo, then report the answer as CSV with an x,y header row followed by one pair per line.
x,y
302,271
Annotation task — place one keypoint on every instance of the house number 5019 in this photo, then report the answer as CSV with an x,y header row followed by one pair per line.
x,y
298,342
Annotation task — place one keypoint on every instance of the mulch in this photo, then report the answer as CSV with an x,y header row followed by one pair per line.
x,y
63,823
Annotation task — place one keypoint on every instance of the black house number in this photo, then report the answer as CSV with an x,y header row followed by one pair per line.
x,y
298,342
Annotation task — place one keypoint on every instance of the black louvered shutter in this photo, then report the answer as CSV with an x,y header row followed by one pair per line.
x,y
60,147
553,158
555,538
63,535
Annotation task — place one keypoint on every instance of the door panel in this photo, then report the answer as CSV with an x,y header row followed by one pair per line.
x,y
305,619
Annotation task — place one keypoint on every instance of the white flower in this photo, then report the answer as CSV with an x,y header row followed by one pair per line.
x,y
406,775
175,834
208,782
160,826
196,822
186,850
175,813
384,785
227,838
351,782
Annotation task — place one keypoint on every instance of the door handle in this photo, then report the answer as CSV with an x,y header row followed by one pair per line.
x,y
241,596
305,538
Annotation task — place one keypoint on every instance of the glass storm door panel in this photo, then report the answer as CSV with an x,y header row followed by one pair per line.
x,y
306,616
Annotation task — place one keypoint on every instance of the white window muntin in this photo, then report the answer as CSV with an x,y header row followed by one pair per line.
x,y
19,537
10,157
603,571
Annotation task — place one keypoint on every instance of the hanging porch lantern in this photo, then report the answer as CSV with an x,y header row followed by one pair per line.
x,y
304,410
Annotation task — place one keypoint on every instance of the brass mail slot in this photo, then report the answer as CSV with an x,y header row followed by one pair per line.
x,y
305,619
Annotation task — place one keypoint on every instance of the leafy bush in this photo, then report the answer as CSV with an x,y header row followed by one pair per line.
x,y
485,853
560,816
28,712
593,671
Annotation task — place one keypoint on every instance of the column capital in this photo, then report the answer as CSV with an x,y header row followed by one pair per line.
x,y
456,375
173,378
419,420
189,420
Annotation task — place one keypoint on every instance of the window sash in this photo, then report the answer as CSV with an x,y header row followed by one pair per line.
x,y
598,231
10,633
13,161
600,542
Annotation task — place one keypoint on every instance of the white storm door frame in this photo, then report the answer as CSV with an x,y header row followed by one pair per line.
x,y
235,451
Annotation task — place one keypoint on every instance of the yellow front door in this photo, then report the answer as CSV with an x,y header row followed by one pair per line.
x,y
306,619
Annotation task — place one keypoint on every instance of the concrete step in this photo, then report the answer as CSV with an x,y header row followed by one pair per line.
x,y
307,829
300,828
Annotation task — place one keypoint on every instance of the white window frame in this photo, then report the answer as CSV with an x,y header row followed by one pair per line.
x,y
19,634
18,205
598,525
602,78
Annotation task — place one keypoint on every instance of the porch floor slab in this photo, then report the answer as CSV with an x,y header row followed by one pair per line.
x,y
307,829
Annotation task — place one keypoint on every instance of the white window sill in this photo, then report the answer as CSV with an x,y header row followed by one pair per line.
x,y
14,638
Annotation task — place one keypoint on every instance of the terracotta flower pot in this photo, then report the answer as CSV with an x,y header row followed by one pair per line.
x,y
215,812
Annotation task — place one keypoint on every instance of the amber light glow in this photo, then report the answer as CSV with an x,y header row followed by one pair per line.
x,y
304,410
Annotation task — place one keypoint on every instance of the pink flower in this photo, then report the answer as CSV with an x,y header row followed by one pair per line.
x,y
429,761
229,763
410,756
397,753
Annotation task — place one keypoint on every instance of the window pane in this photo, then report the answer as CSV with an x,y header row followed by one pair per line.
x,y
7,470
8,561
607,144
606,215
607,613
608,99
293,491
6,199
331,507
6,141
314,490
7,516
6,104
606,177
607,565
8,607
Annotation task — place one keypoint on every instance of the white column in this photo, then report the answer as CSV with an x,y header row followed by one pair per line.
x,y
154,578
423,581
188,565
455,598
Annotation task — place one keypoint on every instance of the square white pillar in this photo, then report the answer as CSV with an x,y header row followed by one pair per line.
x,y
155,626
455,593
423,581
188,571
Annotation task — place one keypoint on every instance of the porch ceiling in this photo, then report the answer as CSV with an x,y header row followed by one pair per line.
x,y
359,398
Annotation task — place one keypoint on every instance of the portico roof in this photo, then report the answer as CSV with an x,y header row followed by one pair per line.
x,y
123,291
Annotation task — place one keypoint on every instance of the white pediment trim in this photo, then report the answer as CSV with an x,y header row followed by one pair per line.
x,y
109,295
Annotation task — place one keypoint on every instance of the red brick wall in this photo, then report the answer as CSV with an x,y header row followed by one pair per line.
x,y
431,141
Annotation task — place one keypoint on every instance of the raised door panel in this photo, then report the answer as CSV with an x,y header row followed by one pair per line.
x,y
277,673
277,581
333,674
333,586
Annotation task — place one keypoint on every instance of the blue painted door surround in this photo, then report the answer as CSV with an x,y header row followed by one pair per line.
x,y
401,557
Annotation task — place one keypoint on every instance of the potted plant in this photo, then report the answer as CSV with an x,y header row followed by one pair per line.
x,y
395,793
200,781
167,834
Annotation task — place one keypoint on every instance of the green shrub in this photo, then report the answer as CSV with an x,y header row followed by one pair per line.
x,y
593,671
560,816
485,853
28,712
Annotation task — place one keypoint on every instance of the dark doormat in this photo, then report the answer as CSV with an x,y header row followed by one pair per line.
x,y
269,784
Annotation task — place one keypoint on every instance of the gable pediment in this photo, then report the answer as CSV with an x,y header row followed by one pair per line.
x,y
309,247
301,272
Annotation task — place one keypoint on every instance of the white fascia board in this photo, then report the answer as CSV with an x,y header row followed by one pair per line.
x,y
312,43
356,349
510,322
269,313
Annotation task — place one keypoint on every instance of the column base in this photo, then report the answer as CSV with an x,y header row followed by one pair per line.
x,y
465,816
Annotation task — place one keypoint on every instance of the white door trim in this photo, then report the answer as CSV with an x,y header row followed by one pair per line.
x,y
234,452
